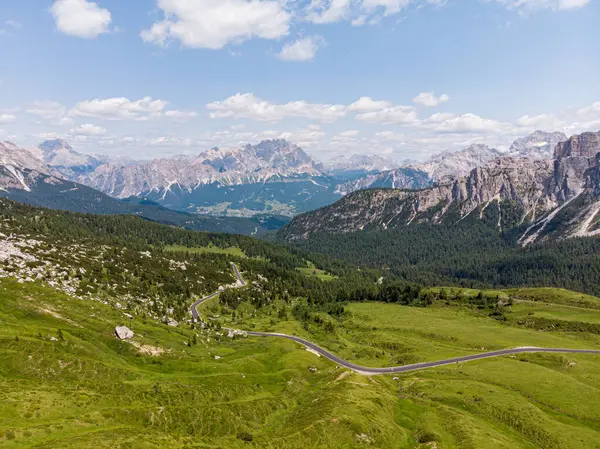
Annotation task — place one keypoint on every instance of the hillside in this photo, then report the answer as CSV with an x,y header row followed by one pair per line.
x,y
67,381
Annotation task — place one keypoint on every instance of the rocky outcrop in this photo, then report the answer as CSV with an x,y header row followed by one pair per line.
x,y
582,145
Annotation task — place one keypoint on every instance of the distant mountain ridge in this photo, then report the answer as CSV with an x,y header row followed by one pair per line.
x,y
25,178
362,162
546,198
446,166
271,177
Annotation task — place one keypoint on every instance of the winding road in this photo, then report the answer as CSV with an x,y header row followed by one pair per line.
x,y
240,283
395,369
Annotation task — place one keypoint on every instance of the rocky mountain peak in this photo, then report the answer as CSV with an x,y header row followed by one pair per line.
x,y
58,153
538,145
54,145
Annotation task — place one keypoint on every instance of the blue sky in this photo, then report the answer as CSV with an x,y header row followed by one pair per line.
x,y
404,78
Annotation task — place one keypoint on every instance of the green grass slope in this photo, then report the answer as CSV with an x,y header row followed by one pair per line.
x,y
522,401
88,389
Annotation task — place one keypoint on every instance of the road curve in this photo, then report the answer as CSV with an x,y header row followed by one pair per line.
x,y
240,283
416,366
394,369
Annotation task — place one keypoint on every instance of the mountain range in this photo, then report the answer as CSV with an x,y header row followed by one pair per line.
x,y
272,177
540,199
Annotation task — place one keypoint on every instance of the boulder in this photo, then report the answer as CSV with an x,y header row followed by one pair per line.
x,y
237,333
123,332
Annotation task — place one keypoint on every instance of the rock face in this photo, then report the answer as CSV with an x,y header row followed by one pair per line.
x,y
519,191
123,332
583,145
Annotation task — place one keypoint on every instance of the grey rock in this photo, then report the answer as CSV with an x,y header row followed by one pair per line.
x,y
123,332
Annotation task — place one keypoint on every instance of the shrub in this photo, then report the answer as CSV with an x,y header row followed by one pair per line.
x,y
245,436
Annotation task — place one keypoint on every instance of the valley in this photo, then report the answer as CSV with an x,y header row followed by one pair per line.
x,y
390,318
300,224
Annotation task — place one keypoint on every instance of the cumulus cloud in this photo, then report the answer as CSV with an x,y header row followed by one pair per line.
x,y
182,116
303,49
88,130
430,100
251,107
322,12
542,121
7,118
366,104
439,117
591,112
49,110
119,109
395,114
471,123
215,23
81,18
389,136
532,5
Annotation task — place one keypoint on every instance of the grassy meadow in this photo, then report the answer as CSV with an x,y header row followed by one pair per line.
x,y
66,381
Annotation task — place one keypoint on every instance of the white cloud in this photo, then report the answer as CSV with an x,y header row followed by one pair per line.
x,y
88,130
303,49
7,118
170,140
366,104
327,12
389,6
591,117
182,116
389,136
251,107
81,18
120,109
556,5
440,117
542,122
430,100
591,112
395,114
216,23
471,123
49,110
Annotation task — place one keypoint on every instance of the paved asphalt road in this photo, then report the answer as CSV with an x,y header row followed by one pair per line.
x,y
241,283
395,369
